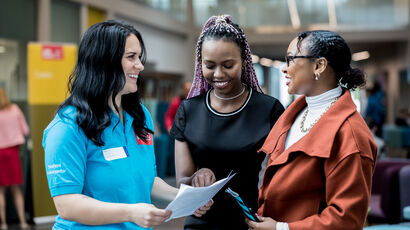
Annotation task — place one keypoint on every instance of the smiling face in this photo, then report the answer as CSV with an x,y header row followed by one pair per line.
x,y
300,72
222,66
131,64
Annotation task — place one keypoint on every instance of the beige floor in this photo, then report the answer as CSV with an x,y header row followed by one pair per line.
x,y
171,225
175,224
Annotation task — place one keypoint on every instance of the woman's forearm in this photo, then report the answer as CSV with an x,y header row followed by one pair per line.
x,y
184,180
89,211
184,164
162,190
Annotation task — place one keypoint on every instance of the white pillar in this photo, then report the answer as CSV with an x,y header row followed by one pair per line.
x,y
110,14
190,41
83,19
44,21
392,91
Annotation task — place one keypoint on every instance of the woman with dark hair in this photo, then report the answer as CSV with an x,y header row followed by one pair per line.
x,y
223,123
321,153
99,151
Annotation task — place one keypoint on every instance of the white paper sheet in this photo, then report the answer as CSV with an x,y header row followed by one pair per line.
x,y
189,198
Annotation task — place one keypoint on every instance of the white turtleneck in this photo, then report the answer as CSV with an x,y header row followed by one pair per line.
x,y
317,106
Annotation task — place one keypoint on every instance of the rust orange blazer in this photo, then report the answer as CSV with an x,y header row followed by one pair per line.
x,y
323,181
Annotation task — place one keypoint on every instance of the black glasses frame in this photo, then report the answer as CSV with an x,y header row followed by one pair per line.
x,y
291,58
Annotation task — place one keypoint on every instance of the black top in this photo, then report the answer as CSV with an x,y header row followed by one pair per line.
x,y
223,142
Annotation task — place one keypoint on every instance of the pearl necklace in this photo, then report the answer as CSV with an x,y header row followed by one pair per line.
x,y
229,98
302,124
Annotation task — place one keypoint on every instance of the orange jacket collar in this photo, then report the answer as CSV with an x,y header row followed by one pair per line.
x,y
325,130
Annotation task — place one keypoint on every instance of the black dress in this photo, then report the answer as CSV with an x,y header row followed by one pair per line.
x,y
225,142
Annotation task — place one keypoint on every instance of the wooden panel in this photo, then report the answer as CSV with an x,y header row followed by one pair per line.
x,y
40,117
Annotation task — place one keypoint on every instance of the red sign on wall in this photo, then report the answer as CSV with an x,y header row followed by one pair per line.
x,y
52,52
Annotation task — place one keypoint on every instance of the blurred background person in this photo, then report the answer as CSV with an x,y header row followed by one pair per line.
x,y
378,140
174,105
376,108
13,130
403,118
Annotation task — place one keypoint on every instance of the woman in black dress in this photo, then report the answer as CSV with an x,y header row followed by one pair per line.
x,y
223,123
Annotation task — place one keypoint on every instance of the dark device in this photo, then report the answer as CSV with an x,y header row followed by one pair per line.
x,y
246,210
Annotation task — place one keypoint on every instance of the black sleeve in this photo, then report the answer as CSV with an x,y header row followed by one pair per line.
x,y
277,110
178,127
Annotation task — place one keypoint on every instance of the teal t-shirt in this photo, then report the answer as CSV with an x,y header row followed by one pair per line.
x,y
121,171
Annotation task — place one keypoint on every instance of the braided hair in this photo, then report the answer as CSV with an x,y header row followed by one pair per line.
x,y
222,27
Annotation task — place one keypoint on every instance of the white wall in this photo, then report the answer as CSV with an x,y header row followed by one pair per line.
x,y
9,70
168,52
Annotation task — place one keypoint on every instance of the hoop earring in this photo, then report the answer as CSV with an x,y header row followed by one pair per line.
x,y
317,76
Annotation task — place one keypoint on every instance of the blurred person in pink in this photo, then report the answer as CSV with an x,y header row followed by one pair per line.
x,y
13,129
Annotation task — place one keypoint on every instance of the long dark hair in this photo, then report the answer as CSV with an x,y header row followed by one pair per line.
x,y
330,45
97,75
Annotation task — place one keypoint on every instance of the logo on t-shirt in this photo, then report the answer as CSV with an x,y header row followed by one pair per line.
x,y
148,141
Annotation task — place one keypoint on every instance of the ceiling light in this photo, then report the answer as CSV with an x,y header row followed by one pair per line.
x,y
277,64
360,56
294,14
255,58
266,62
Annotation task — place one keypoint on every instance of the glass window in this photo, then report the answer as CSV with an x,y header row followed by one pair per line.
x,y
378,14
65,22
247,13
10,79
388,14
176,8
18,23
259,74
312,11
275,86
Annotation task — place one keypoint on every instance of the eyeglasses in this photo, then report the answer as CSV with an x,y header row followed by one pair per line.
x,y
291,58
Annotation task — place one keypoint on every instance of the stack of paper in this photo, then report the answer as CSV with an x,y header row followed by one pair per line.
x,y
189,198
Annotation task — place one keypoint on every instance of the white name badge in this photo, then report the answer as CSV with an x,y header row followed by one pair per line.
x,y
115,153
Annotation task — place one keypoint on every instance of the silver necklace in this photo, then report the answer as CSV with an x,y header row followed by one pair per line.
x,y
302,124
229,98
